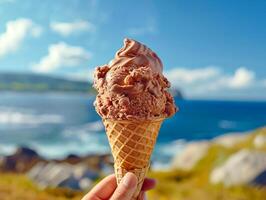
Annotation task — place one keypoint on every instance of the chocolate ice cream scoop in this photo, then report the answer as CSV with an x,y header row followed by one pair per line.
x,y
132,85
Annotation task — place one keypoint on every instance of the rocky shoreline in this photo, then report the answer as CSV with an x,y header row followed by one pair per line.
x,y
240,160
231,159
73,172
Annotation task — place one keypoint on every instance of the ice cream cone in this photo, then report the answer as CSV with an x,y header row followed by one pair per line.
x,y
132,143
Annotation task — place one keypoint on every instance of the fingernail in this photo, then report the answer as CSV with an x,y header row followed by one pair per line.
x,y
129,180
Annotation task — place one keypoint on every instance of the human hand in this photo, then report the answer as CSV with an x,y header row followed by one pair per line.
x,y
108,189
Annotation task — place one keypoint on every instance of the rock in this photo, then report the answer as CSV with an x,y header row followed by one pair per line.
x,y
54,174
260,141
70,182
36,170
243,167
25,151
95,162
260,179
85,183
191,155
176,93
21,161
231,139
81,170
1,160
72,159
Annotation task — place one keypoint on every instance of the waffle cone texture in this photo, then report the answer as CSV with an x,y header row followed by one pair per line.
x,y
132,143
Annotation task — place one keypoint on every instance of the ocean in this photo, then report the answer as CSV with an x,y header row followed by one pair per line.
x,y
59,124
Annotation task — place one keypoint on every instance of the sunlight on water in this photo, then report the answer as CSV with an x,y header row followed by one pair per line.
x,y
58,125
18,116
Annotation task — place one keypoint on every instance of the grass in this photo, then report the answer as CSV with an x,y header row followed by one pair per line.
x,y
178,185
194,185
19,187
172,185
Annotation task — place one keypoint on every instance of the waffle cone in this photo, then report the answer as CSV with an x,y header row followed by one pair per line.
x,y
132,143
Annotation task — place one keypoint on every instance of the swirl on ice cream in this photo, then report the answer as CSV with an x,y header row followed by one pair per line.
x,y
132,85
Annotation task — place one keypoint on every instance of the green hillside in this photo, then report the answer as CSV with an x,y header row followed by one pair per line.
x,y
41,83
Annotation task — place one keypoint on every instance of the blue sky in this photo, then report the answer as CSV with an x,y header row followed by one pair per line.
x,y
210,49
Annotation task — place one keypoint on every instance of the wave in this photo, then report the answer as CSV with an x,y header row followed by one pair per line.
x,y
85,132
226,124
19,116
173,148
81,140
96,143
63,149
90,138
7,149
164,153
95,126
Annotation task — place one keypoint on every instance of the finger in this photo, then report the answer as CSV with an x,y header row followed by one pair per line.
x,y
126,188
102,190
148,184
141,196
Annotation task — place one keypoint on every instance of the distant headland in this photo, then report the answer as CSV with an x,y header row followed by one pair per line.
x,y
30,82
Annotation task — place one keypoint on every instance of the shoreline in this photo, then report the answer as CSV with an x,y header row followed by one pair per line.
x,y
167,151
228,165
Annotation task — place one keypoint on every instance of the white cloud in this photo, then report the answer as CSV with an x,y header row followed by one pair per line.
x,y
183,75
68,28
208,81
16,32
242,78
61,55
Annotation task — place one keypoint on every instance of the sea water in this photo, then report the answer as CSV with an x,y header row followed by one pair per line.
x,y
59,124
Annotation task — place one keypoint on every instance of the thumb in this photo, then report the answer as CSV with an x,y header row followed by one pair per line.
x,y
126,188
